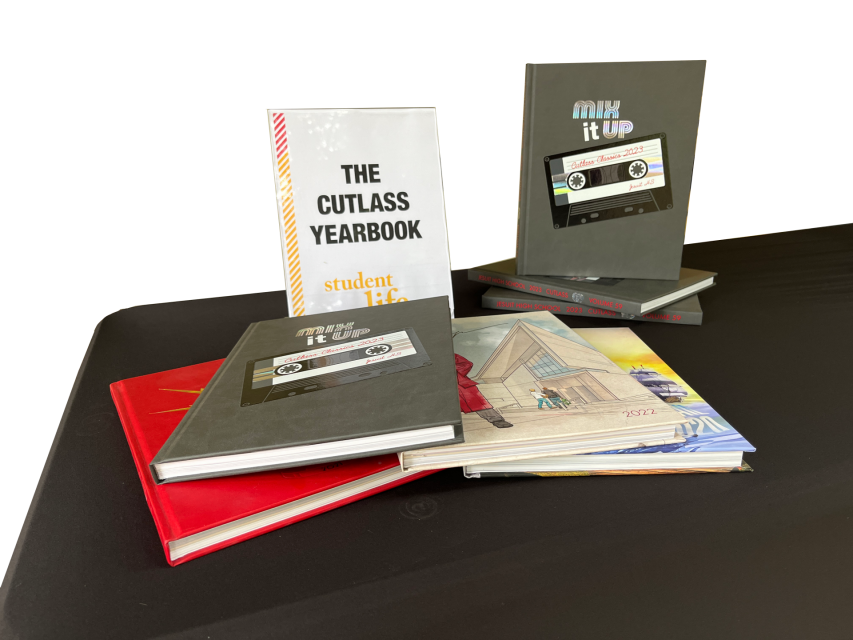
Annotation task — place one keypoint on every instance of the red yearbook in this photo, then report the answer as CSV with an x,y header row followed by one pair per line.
x,y
196,517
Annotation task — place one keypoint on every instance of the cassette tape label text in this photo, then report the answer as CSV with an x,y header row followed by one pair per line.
x,y
609,181
291,374
289,368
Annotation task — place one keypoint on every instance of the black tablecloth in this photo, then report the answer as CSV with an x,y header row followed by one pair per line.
x,y
766,554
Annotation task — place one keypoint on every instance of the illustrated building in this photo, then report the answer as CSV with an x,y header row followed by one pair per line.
x,y
532,358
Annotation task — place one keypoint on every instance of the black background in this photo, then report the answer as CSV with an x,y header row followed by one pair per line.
x,y
181,203
763,554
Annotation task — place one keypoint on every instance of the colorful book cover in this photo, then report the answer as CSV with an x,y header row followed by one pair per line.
x,y
526,380
360,207
703,428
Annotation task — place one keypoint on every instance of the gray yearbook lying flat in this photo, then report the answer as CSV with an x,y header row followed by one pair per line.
x,y
622,295
686,311
320,388
606,166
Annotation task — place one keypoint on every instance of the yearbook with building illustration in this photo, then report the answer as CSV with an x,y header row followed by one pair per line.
x,y
529,386
710,443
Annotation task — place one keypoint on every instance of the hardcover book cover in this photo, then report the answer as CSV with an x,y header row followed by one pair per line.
x,y
705,432
687,311
526,378
606,167
360,207
623,295
198,517
702,427
321,388
742,468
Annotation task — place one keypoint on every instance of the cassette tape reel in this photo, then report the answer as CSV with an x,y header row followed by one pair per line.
x,y
615,180
330,365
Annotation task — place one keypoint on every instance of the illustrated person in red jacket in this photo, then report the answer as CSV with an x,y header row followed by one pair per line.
x,y
470,398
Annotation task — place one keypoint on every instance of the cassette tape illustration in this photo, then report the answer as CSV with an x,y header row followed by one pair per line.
x,y
625,178
331,365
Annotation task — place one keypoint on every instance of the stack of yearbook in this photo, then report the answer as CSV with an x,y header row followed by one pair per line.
x,y
369,384
606,168
305,414
672,301
310,413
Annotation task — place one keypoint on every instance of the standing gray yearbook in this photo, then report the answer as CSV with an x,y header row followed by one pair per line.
x,y
320,388
606,166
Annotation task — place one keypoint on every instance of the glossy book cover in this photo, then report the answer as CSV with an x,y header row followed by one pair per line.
x,y
703,428
526,380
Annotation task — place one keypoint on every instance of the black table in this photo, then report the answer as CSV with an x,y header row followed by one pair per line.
x,y
767,554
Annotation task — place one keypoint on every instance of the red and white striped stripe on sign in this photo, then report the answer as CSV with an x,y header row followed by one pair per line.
x,y
291,244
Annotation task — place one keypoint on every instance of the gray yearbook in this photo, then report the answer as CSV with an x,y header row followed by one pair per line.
x,y
686,311
622,295
320,388
606,166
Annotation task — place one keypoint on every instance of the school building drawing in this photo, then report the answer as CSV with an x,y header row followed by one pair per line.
x,y
532,358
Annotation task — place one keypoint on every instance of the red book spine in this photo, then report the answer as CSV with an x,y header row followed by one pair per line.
x,y
294,519
158,510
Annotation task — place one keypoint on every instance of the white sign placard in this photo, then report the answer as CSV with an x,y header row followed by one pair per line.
x,y
360,207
